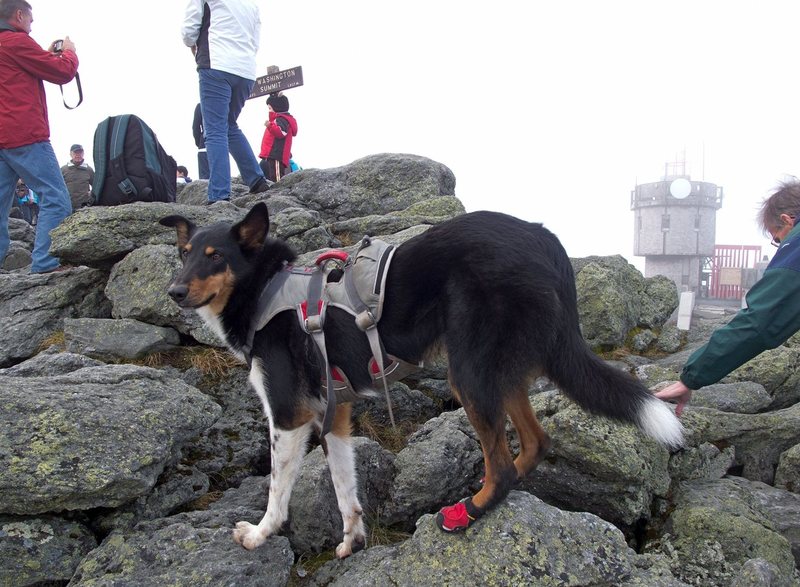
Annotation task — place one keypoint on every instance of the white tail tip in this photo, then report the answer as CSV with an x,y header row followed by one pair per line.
x,y
658,421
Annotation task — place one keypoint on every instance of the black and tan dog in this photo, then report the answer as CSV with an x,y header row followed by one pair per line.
x,y
497,293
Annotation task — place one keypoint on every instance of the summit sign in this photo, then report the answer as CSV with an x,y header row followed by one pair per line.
x,y
277,82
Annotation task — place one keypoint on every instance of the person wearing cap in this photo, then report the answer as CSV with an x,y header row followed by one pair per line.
x,y
276,145
79,177
25,149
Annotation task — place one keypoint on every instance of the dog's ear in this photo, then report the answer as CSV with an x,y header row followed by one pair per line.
x,y
184,227
251,233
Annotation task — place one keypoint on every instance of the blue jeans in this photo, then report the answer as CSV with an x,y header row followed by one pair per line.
x,y
222,96
38,167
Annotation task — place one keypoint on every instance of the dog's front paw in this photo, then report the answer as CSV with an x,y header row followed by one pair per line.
x,y
248,535
350,546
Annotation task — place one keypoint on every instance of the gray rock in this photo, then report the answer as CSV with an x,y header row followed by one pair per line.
x,y
17,257
613,298
174,489
32,307
744,397
97,437
778,370
760,573
113,339
701,462
431,211
79,241
49,363
408,406
670,339
376,184
37,551
22,232
759,439
521,542
787,475
183,551
715,528
781,507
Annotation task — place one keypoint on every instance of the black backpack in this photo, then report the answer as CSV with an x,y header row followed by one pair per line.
x,y
130,164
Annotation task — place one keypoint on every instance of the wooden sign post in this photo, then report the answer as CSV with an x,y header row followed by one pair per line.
x,y
277,81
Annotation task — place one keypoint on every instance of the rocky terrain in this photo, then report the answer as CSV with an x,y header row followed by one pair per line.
x,y
131,445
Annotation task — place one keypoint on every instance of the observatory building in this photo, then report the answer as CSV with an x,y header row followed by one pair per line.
x,y
675,226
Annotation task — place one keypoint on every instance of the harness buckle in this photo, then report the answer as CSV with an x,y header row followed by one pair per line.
x,y
313,323
366,320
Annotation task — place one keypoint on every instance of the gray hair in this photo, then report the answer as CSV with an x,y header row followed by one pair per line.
x,y
9,7
786,200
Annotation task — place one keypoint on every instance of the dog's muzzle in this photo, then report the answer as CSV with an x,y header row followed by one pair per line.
x,y
178,292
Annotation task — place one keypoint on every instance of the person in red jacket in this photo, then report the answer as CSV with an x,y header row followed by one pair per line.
x,y
25,149
276,146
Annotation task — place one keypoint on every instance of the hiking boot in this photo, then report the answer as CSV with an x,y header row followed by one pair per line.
x,y
209,202
262,185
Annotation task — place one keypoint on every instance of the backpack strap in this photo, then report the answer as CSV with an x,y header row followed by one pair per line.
x,y
151,159
100,158
116,155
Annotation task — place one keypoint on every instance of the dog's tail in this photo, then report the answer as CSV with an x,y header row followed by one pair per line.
x,y
608,391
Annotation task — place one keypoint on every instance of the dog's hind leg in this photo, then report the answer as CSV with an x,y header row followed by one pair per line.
x,y
501,473
341,462
534,441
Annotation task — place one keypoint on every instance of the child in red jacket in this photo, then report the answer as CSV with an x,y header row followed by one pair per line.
x,y
276,146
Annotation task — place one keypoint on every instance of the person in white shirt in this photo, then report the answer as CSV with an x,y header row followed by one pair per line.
x,y
224,37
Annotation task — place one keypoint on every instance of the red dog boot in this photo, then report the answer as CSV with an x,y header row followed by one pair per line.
x,y
458,517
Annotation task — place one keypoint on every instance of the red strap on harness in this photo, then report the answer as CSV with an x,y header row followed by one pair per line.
x,y
335,254
304,308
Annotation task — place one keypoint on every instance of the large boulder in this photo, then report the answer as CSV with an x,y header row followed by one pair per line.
x,y
102,235
521,542
96,437
715,528
376,184
614,298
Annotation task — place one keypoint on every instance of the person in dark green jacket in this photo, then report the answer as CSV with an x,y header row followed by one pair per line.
x,y
772,314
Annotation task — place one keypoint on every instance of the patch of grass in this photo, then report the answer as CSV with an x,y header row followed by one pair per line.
x,y
211,361
392,439
346,238
384,536
56,339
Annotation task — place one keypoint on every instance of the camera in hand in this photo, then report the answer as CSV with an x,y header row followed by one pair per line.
x,y
58,46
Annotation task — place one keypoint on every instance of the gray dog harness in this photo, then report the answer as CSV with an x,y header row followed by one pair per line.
x,y
360,292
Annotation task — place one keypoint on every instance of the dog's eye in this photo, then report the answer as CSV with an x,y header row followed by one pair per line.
x,y
216,257
184,254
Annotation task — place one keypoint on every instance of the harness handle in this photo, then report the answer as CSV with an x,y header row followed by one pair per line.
x,y
336,255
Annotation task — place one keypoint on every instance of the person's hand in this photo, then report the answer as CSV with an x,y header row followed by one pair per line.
x,y
677,391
